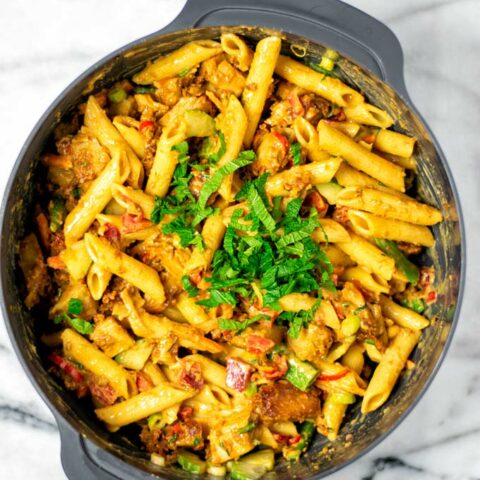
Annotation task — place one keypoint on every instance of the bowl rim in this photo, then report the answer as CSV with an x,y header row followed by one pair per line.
x,y
73,423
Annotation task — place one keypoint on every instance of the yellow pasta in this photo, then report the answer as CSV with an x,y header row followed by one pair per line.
x,y
98,279
236,48
128,128
369,115
95,199
92,359
368,256
330,232
368,280
133,271
394,143
389,205
185,58
405,317
97,120
388,370
142,405
77,260
307,136
337,143
258,82
328,87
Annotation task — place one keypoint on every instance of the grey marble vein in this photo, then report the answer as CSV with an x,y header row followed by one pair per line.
x,y
24,416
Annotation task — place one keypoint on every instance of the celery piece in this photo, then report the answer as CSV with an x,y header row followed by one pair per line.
x,y
300,374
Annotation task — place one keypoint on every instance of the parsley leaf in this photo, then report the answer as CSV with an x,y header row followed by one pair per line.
x,y
227,324
80,325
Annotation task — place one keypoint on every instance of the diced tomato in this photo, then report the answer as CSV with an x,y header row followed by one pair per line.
x,y
56,263
432,296
111,232
191,375
282,139
258,344
146,124
133,223
238,374
335,376
143,382
315,200
176,428
66,366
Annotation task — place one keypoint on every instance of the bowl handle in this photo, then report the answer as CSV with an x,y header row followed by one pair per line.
x,y
332,22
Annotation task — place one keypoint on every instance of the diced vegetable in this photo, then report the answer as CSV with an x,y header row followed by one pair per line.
x,y
350,325
293,452
117,95
154,421
143,89
57,211
136,357
253,466
66,366
213,147
199,123
251,389
329,191
191,463
415,304
300,374
401,261
328,59
296,152
238,374
258,344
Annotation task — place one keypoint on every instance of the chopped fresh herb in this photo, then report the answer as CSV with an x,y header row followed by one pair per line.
x,y
75,306
183,72
259,209
296,152
298,320
247,428
80,325
117,95
142,89
369,341
218,298
188,286
213,183
227,324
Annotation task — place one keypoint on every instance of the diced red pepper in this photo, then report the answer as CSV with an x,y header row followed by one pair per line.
x,y
335,376
146,124
66,366
258,344
294,440
176,428
432,296
280,438
282,139
111,232
238,374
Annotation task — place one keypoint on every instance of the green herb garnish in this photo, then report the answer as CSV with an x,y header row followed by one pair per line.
x,y
188,286
296,152
75,306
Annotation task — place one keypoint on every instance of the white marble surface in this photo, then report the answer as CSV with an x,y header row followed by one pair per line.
x,y
46,44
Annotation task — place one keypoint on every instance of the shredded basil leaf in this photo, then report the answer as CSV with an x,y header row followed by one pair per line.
x,y
296,152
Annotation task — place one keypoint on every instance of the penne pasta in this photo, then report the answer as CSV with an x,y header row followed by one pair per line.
x,y
368,115
403,316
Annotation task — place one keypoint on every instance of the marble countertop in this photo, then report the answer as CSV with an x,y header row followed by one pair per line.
x,y
45,45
